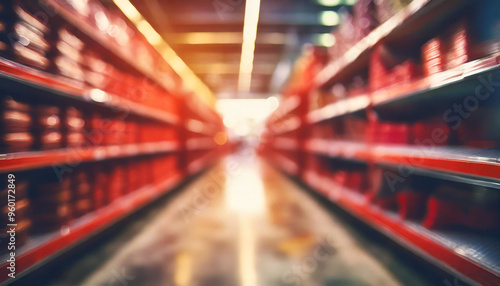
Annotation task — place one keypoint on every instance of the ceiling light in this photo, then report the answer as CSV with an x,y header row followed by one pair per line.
x,y
189,78
329,3
325,40
252,9
329,18
129,10
149,32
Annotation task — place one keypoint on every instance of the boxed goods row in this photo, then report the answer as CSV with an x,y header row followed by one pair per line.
x,y
436,204
25,126
49,44
461,40
47,200
475,131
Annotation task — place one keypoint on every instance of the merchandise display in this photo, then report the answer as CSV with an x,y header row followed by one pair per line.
x,y
395,125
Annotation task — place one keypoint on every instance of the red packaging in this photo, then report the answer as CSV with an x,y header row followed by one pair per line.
x,y
434,56
389,133
435,131
405,72
442,213
411,203
116,179
454,204
459,46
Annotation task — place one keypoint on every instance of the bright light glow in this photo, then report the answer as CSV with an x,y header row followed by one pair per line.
x,y
199,38
329,18
325,40
129,10
195,125
98,95
245,117
252,9
229,68
190,80
273,102
350,2
245,192
183,266
220,138
329,3
149,32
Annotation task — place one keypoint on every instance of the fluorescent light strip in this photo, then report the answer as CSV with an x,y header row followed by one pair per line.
x,y
252,9
189,78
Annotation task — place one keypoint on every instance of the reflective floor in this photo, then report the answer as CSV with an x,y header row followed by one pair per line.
x,y
240,223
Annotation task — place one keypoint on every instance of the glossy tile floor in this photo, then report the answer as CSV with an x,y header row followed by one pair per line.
x,y
239,223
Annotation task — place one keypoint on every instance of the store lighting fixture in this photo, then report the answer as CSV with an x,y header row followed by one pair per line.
x,y
98,95
329,3
149,32
129,10
329,18
191,80
334,3
325,40
252,9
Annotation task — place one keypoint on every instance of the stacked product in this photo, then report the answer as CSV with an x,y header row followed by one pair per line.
x,y
47,127
15,124
73,127
23,37
82,193
387,69
19,212
454,204
51,194
116,181
68,58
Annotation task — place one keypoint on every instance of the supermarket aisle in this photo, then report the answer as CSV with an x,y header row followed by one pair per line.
x,y
240,223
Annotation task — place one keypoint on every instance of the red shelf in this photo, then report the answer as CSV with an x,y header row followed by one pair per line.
x,y
343,149
418,88
339,108
200,163
75,20
284,163
470,162
31,160
12,73
285,126
410,235
414,17
37,250
450,77
288,105
200,143
197,126
286,144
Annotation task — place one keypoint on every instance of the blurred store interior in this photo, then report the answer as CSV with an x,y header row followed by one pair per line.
x,y
252,143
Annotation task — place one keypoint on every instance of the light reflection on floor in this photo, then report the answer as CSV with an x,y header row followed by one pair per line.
x,y
241,223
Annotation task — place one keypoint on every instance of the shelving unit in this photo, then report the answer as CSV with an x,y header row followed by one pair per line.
x,y
322,157
43,246
191,124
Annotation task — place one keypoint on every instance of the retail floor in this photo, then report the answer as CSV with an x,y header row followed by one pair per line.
x,y
239,223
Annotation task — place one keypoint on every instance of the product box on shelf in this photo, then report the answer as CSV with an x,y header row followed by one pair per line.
x,y
47,127
15,125
24,38
454,204
51,197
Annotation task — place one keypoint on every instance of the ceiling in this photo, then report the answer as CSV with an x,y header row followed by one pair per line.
x,y
208,34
